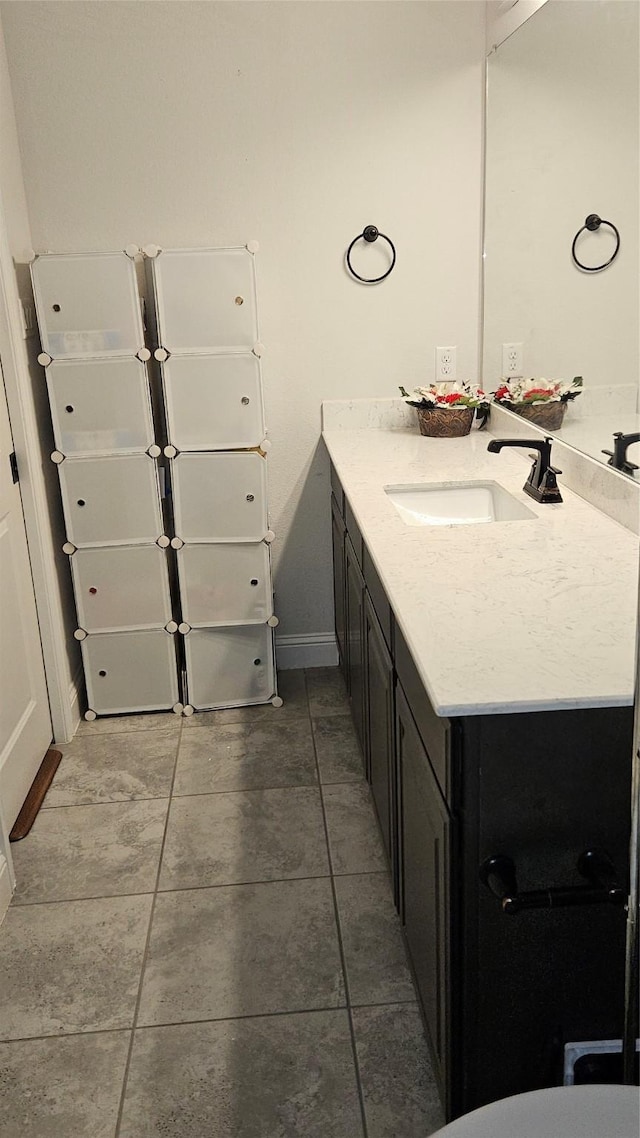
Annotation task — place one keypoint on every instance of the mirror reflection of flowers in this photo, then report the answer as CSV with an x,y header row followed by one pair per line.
x,y
532,391
446,395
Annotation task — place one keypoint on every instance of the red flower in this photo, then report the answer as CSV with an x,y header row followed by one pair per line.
x,y
502,391
454,397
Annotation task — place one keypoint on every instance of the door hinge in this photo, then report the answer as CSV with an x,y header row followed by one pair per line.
x,y
13,463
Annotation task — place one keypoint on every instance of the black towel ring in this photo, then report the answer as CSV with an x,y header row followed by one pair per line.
x,y
370,233
592,223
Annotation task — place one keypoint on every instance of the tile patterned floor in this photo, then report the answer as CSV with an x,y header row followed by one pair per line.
x,y
203,941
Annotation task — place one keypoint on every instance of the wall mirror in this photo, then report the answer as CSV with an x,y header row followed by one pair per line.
x,y
563,94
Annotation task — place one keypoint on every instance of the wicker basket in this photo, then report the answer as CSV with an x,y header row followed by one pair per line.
x,y
548,415
445,422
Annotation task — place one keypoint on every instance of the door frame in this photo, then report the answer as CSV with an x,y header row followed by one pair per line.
x,y
24,428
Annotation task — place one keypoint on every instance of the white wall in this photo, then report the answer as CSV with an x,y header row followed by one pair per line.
x,y
187,124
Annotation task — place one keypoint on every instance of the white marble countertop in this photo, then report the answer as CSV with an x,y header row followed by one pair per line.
x,y
533,615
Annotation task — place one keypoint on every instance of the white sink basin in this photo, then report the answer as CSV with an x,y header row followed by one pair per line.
x,y
456,504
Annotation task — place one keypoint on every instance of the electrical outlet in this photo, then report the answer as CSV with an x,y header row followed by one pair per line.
x,y
445,365
513,360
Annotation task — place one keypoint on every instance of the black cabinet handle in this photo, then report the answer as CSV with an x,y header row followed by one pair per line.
x,y
498,873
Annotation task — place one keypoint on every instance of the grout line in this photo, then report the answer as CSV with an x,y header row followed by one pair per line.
x,y
240,884
215,1019
343,962
300,717
80,736
76,900
145,953
203,793
71,900
67,1035
107,802
258,789
195,888
387,1004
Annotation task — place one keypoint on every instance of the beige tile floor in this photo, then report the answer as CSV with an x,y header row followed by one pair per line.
x,y
203,942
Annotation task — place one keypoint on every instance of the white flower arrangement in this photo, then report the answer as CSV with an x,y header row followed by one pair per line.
x,y
531,391
446,395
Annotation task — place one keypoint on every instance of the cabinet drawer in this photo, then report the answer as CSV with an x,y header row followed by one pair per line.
x,y
378,597
435,730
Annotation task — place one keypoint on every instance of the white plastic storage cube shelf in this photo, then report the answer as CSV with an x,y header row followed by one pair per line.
x,y
130,671
100,406
87,304
214,402
225,584
111,501
205,300
122,588
220,496
230,667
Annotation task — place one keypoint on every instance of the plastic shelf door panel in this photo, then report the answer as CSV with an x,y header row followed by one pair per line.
x,y
100,406
130,671
230,667
122,588
225,584
87,304
214,402
111,501
220,497
205,300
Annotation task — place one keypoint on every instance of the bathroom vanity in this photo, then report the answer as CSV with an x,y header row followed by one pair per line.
x,y
490,672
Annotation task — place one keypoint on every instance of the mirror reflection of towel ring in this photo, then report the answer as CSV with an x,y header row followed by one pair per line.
x,y
370,234
592,223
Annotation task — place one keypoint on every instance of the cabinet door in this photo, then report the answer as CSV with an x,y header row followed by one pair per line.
x,y
380,726
120,589
230,667
225,584
130,671
87,304
220,496
100,406
425,879
206,300
214,402
355,646
111,501
338,533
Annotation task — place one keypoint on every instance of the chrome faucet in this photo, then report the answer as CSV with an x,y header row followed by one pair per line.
x,y
621,444
541,483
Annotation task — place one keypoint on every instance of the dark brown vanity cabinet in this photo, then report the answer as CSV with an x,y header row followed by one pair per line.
x,y
338,531
501,994
354,610
379,713
424,856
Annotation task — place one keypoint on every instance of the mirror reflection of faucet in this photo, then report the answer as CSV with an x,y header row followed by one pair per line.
x,y
621,444
541,483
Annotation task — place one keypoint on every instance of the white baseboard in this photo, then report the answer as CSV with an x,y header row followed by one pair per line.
x,y
5,887
309,650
